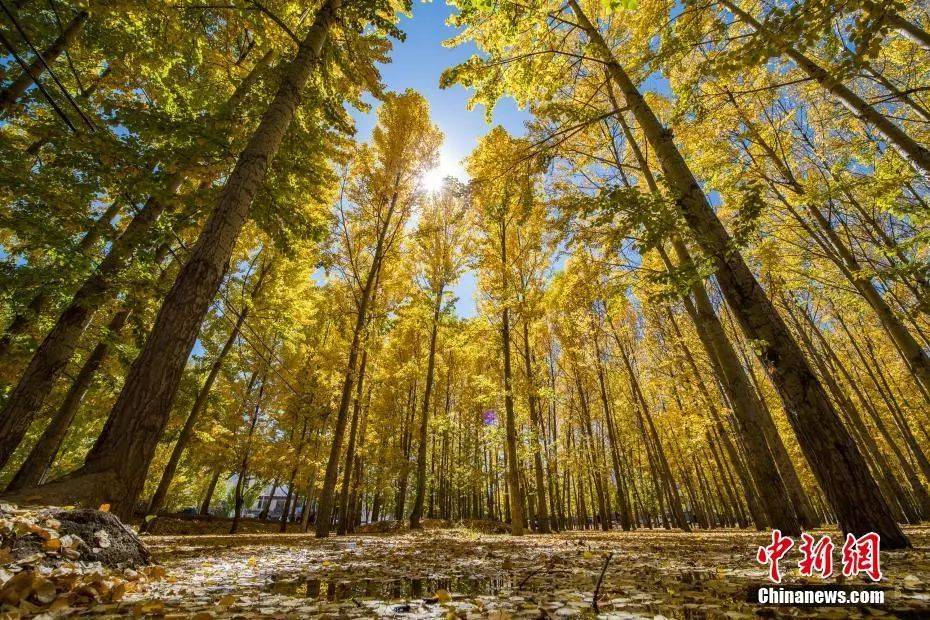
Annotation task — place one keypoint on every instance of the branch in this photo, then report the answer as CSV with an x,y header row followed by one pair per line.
x,y
276,20
597,588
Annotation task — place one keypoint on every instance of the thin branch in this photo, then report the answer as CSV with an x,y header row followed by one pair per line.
x,y
25,67
600,580
276,20
48,69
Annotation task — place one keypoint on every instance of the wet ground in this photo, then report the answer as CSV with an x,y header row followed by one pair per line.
x,y
460,573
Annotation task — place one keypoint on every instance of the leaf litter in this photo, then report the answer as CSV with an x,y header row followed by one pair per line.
x,y
452,573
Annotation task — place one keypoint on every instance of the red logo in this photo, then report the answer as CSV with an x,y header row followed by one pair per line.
x,y
818,557
773,553
860,555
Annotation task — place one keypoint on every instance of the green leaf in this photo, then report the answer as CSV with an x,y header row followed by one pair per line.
x,y
628,5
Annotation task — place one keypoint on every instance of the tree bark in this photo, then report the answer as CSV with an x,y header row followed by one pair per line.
x,y
542,512
907,28
208,497
343,512
400,498
882,469
587,440
40,459
263,513
771,484
782,512
292,479
24,321
368,290
200,403
247,451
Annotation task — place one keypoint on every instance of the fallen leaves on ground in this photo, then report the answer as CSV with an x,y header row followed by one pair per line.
x,y
45,571
460,573
448,573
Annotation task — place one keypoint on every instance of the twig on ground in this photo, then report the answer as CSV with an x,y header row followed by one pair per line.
x,y
527,578
600,580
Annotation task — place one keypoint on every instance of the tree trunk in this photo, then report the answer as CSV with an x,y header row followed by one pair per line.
x,y
292,479
263,513
323,522
513,463
57,349
907,28
308,503
343,512
36,466
905,145
771,484
882,470
24,321
417,512
650,429
623,504
587,440
208,497
542,512
400,498
759,517
779,509
11,94
187,431
247,452
358,472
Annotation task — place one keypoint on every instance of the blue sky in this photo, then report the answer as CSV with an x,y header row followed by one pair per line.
x,y
417,63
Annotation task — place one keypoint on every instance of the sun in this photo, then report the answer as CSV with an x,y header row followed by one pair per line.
x,y
432,180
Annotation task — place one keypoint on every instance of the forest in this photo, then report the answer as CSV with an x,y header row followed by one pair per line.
x,y
698,276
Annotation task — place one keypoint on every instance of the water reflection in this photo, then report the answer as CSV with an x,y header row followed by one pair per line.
x,y
388,589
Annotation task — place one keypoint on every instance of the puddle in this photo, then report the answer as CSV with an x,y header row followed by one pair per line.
x,y
388,589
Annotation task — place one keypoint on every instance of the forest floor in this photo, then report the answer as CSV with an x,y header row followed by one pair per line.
x,y
462,573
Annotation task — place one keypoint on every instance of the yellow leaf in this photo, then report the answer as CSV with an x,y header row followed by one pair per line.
x,y
52,544
104,508
150,607
118,591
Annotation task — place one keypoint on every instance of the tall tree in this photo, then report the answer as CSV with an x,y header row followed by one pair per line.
x,y
385,186
443,248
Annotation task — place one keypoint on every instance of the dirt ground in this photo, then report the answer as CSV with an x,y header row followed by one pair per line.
x,y
443,573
